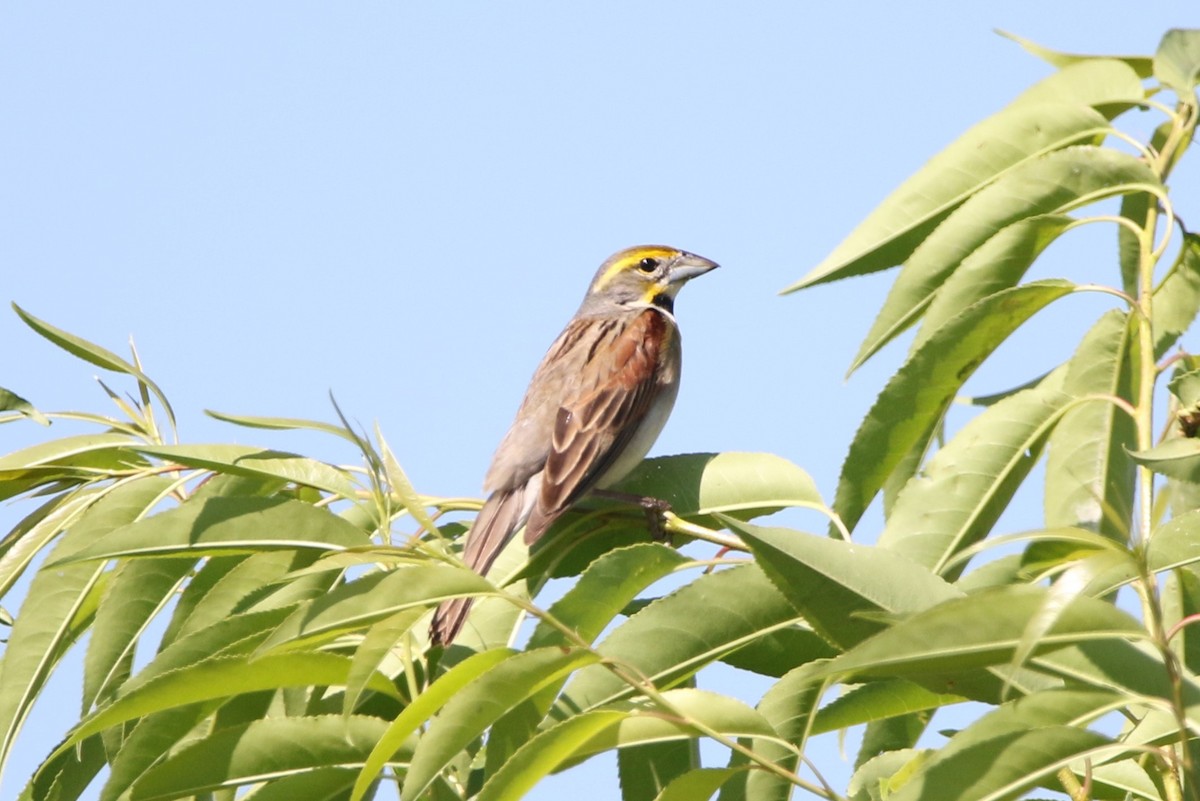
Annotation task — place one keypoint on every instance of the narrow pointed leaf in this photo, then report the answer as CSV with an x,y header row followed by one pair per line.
x,y
44,626
1089,474
915,398
264,749
402,487
136,593
604,589
1143,66
280,423
603,730
93,354
1175,543
879,700
219,587
697,784
221,677
1050,116
12,402
1006,765
368,600
37,530
788,706
553,747
1178,458
644,771
321,784
481,703
1051,185
980,630
376,646
835,585
253,461
228,525
971,480
1177,299
423,707
1015,747
999,263
678,634
1177,62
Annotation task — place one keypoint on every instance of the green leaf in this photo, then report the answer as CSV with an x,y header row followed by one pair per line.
x,y
1178,458
1175,543
221,677
1005,766
248,460
835,585
153,737
1050,185
93,354
981,630
1143,66
969,483
219,526
281,424
217,591
907,410
1050,116
676,635
12,402
743,485
879,700
38,529
402,487
423,707
321,784
56,607
646,770
698,784
781,651
1089,474
376,646
135,594
1177,62
546,753
481,703
73,459
1014,748
997,264
876,778
1181,600
604,589
263,749
1177,298
368,600
788,706
628,725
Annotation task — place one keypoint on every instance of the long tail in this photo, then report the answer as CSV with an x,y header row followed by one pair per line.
x,y
498,519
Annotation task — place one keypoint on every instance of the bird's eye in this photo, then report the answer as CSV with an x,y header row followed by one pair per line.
x,y
648,264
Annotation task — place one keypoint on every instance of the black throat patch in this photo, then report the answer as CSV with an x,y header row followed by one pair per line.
x,y
664,302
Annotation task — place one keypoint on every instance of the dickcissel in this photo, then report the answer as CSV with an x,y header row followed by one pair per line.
x,y
592,411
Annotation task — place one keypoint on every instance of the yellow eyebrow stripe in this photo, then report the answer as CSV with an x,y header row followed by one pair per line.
x,y
626,259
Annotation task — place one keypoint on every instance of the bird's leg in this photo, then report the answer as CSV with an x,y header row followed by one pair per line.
x,y
653,507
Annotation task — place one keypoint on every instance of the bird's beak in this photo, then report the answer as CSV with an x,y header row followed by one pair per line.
x,y
689,266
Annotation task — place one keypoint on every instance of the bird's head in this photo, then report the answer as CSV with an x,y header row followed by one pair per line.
x,y
646,275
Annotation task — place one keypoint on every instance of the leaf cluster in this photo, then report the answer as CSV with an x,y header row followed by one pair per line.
x,y
253,623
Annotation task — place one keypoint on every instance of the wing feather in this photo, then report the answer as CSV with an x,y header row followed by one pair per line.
x,y
594,425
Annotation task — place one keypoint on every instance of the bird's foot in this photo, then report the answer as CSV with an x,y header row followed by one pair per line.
x,y
654,508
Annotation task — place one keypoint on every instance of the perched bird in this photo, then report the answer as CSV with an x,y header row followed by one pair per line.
x,y
592,411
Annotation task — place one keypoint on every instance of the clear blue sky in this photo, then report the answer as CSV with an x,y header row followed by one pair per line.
x,y
404,203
